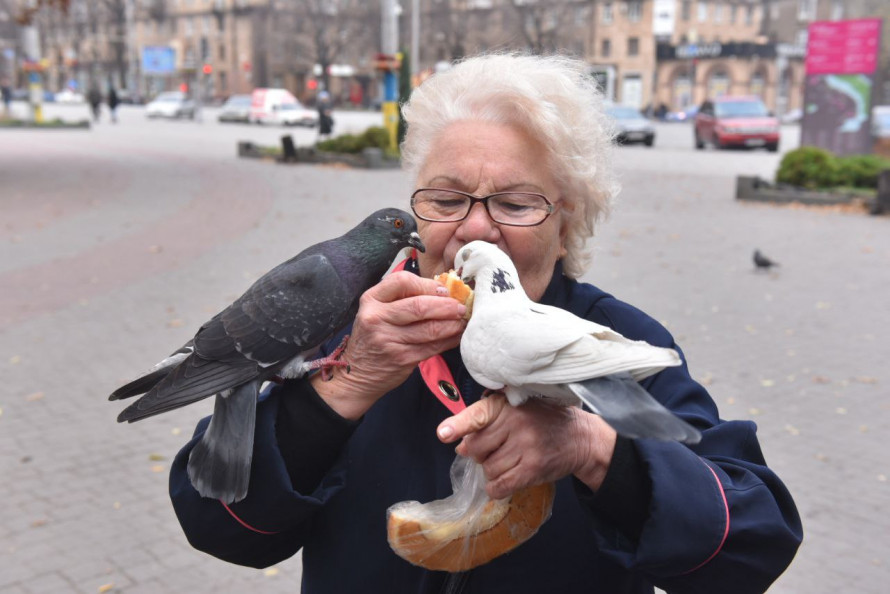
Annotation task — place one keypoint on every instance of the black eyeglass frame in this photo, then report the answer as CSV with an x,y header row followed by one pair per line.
x,y
474,199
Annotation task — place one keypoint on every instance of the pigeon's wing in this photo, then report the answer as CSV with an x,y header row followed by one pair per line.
x,y
293,308
194,379
551,345
143,384
631,410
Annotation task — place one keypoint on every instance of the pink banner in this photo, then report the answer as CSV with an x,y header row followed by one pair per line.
x,y
844,47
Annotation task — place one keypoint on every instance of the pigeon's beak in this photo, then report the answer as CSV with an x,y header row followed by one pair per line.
x,y
414,241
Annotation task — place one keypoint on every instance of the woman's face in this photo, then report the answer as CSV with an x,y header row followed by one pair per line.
x,y
483,158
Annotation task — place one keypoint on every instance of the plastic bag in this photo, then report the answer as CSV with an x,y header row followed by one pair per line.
x,y
466,529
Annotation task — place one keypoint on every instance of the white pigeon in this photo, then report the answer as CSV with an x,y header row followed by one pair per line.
x,y
526,349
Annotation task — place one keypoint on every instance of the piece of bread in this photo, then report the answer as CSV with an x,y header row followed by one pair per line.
x,y
457,289
418,536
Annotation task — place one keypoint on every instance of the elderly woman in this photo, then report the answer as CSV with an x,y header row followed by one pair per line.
x,y
332,456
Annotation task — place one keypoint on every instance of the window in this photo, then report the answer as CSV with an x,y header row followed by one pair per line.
x,y
837,10
606,48
634,10
607,13
702,11
733,13
633,46
806,10
718,12
749,14
222,52
686,10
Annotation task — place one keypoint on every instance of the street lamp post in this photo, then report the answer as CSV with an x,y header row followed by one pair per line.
x,y
389,43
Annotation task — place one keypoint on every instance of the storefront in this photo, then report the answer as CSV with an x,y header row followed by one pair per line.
x,y
688,74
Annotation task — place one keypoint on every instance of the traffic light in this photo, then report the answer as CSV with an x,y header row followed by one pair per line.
x,y
312,84
208,69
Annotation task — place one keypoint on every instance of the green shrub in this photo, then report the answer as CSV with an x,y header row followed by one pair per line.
x,y
861,171
376,137
808,167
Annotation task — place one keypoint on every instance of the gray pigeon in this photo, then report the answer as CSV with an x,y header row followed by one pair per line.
x,y
761,261
273,330
531,350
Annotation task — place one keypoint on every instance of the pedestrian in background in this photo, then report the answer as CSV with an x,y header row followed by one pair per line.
x,y
94,97
6,92
325,115
113,102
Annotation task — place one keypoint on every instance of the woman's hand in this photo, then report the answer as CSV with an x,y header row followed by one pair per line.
x,y
401,321
537,442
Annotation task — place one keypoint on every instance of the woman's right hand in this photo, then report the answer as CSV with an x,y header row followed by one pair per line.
x,y
401,321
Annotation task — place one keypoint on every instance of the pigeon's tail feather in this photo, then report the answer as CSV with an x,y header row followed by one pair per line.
x,y
140,385
219,464
631,410
193,380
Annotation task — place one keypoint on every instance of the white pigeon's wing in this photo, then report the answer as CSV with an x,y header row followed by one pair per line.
x,y
543,344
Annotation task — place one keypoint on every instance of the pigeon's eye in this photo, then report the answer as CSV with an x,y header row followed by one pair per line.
x,y
398,223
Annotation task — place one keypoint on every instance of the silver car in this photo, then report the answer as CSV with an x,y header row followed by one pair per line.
x,y
173,104
632,126
235,109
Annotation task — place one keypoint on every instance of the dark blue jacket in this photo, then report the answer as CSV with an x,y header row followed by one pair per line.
x,y
710,518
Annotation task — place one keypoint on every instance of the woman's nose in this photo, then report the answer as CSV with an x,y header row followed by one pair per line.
x,y
478,225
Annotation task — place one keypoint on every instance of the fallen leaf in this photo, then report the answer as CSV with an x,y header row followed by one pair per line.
x,y
175,323
840,410
882,478
105,588
707,380
864,379
823,305
730,400
750,329
792,429
1,412
38,523
271,572
821,379
821,457
155,249
34,397
767,383
863,428
176,431
15,360
753,411
156,457
157,468
117,505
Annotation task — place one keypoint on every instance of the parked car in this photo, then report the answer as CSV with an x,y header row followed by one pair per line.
x,y
684,115
235,109
173,104
632,125
736,122
792,117
279,106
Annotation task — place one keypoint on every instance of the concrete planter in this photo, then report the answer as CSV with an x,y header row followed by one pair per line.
x,y
755,189
50,125
370,158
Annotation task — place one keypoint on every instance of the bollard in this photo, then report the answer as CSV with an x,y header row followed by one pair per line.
x,y
882,200
288,150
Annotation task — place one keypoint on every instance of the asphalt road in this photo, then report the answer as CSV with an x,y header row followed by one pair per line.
x,y
118,242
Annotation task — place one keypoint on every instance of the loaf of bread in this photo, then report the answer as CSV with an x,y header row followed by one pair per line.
x,y
430,536
457,289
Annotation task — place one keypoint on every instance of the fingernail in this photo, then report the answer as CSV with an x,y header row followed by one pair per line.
x,y
461,309
445,431
442,291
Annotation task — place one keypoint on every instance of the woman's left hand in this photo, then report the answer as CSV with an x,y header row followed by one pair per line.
x,y
537,442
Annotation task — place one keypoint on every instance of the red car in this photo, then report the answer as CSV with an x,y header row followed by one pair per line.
x,y
736,122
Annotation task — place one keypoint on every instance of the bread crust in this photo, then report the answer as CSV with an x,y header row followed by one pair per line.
x,y
444,548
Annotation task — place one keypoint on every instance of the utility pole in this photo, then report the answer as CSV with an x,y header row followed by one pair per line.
x,y
415,38
33,65
389,43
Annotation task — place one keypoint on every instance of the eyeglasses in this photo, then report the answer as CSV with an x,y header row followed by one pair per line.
x,y
519,209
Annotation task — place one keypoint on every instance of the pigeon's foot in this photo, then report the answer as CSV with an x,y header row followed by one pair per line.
x,y
335,359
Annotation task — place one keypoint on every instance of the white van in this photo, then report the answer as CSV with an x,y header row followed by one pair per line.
x,y
280,107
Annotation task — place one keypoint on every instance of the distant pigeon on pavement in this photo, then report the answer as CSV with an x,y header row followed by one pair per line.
x,y
531,350
273,330
762,262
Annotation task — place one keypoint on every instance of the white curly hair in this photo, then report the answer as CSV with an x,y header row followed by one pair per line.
x,y
553,98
